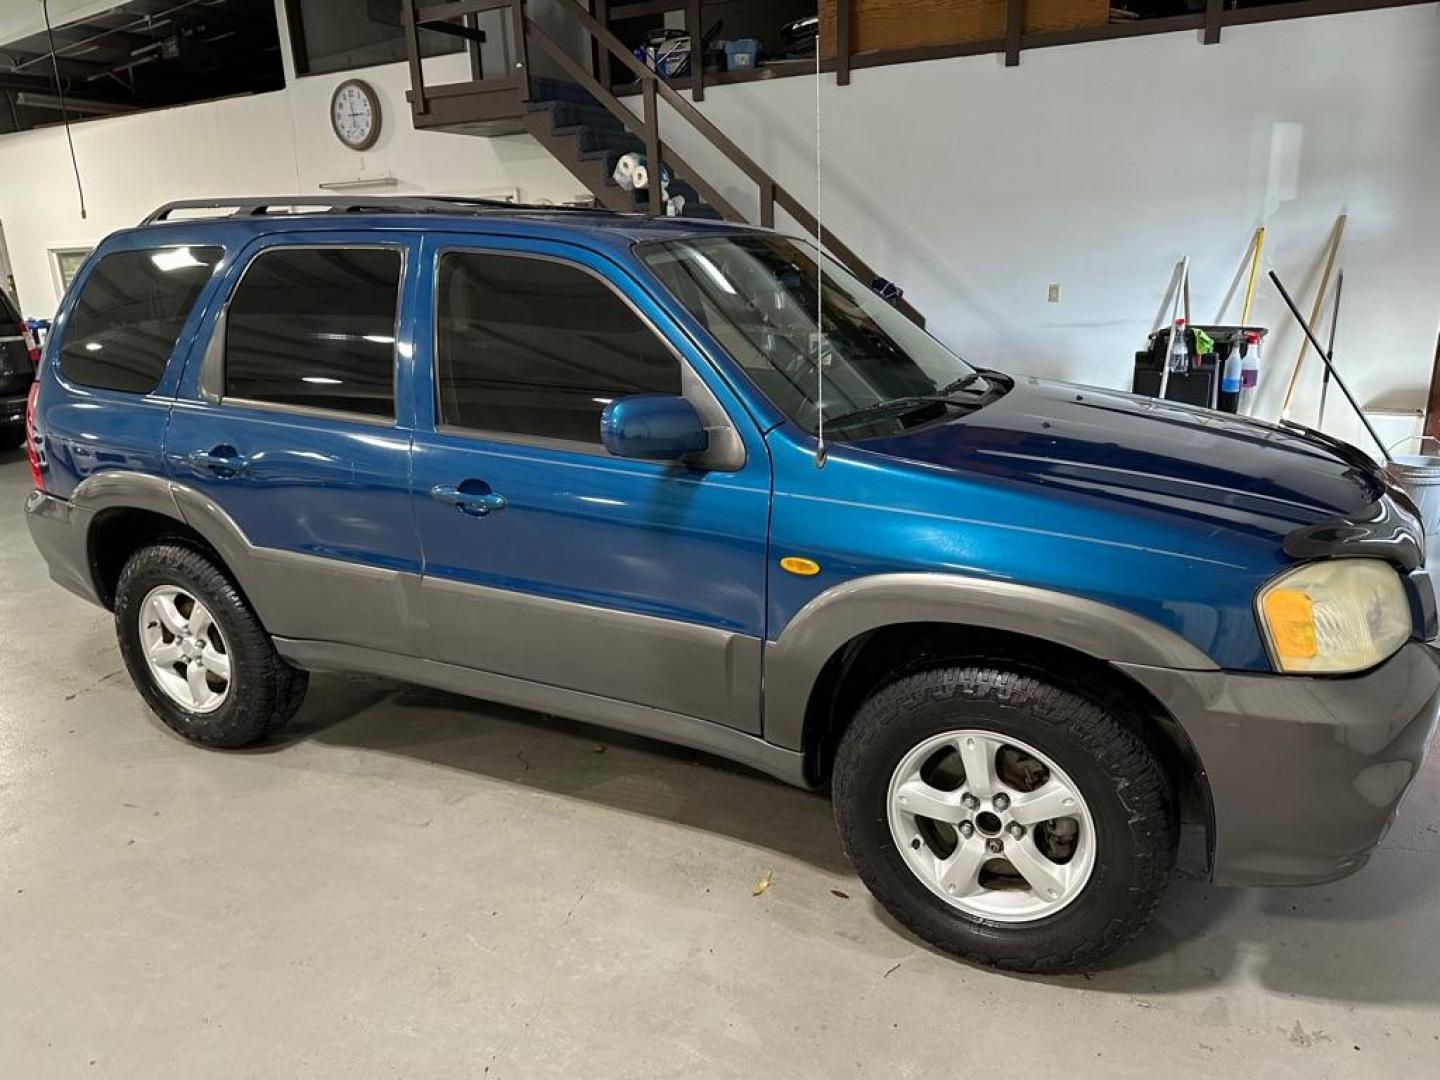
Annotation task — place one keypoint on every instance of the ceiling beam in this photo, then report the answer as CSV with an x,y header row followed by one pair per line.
x,y
28,63
39,84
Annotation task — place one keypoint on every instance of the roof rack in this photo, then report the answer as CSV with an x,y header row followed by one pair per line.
x,y
282,205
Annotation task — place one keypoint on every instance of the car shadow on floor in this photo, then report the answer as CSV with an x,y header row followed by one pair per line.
x,y
1367,938
623,772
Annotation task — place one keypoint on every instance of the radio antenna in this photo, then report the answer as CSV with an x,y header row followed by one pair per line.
x,y
819,285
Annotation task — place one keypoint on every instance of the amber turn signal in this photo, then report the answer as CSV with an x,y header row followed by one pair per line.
x,y
794,564
1290,615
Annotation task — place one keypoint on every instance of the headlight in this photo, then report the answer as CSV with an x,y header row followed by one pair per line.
x,y
1334,616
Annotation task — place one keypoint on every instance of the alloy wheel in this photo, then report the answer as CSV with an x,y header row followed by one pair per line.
x,y
185,649
991,825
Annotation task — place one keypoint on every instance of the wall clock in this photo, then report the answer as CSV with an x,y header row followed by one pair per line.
x,y
355,114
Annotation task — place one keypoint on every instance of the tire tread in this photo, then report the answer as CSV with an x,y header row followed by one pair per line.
x,y
1142,785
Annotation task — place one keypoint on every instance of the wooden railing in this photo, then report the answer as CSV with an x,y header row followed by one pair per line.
x,y
608,50
1217,15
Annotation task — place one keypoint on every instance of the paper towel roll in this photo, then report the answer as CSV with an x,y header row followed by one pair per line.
x,y
640,177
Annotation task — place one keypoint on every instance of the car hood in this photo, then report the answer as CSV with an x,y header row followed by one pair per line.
x,y
1091,443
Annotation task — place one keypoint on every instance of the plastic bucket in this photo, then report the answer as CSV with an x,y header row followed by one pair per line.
x,y
1419,475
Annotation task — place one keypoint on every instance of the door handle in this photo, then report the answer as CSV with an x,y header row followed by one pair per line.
x,y
476,503
222,461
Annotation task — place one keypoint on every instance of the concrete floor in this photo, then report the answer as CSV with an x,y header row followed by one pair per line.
x,y
416,885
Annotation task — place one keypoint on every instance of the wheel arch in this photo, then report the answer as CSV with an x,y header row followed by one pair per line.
x,y
129,510
854,638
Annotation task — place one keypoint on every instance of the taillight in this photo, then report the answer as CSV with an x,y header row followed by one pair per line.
x,y
37,475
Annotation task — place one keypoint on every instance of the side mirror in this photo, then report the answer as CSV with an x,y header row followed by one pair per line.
x,y
661,426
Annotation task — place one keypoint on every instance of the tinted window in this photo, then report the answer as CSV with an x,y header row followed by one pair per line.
x,y
316,327
538,348
129,315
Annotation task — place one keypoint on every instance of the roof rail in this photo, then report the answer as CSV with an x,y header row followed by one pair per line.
x,y
281,205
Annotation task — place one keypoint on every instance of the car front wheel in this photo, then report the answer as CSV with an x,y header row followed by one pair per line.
x,y
1004,818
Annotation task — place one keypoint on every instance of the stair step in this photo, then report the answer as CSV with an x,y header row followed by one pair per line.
x,y
566,116
599,141
590,140
546,89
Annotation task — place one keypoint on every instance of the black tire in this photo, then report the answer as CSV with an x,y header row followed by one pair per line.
x,y
265,691
1130,797
12,436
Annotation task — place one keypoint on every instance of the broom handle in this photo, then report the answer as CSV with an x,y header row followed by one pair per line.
x,y
1315,310
1257,245
1310,336
1174,314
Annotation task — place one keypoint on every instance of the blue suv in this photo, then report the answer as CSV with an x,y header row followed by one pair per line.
x,y
691,480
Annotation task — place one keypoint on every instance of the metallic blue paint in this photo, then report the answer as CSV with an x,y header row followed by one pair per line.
x,y
653,538
1174,514
315,483
662,426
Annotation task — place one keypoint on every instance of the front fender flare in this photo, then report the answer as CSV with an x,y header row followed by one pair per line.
x,y
794,661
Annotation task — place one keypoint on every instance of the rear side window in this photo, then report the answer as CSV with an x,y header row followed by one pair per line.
x,y
538,348
129,315
315,327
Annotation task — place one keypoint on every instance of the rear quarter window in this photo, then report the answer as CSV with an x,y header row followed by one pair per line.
x,y
129,315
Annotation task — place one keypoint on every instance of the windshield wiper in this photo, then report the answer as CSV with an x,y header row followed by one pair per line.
x,y
892,405
959,384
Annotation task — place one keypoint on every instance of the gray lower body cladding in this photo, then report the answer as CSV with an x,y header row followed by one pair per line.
x,y
58,528
1305,774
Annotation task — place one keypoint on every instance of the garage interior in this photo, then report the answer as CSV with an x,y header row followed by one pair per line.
x,y
406,881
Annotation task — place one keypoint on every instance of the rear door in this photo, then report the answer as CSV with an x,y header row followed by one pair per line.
x,y
293,429
636,581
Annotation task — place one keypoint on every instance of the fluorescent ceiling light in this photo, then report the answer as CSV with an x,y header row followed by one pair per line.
x,y
174,259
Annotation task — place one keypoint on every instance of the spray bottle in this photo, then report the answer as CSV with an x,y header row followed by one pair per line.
x,y
1249,371
1230,376
1179,351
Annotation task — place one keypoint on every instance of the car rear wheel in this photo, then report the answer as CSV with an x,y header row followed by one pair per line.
x,y
197,653
1004,818
11,436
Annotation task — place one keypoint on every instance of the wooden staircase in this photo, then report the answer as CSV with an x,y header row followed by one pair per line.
x,y
588,140
581,122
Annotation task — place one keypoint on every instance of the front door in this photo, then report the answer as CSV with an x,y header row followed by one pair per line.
x,y
546,558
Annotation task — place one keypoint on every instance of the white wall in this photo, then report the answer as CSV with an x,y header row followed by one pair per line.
x,y
1098,166
975,186
264,144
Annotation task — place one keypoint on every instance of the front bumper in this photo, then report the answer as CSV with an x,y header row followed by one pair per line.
x,y
60,531
1304,773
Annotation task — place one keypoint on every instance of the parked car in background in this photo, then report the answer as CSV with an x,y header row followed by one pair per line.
x,y
18,357
609,467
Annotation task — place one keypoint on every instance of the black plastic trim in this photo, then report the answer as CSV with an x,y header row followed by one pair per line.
x,y
1382,530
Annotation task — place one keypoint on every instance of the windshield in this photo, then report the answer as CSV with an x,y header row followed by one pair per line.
x,y
755,293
